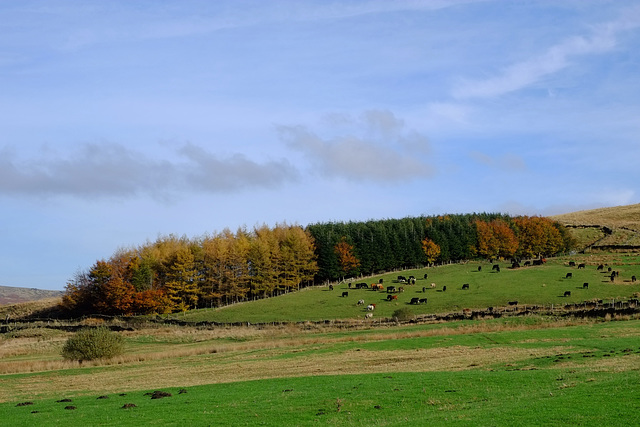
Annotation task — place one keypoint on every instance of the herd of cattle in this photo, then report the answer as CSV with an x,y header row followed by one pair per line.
x,y
393,291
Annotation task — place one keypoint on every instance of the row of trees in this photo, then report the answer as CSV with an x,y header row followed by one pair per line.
x,y
174,274
363,248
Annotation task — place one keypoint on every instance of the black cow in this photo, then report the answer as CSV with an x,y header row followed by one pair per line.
x,y
613,276
585,285
426,275
391,289
424,289
381,281
572,264
515,265
633,278
581,266
609,269
345,294
415,301
527,263
465,286
495,267
600,267
513,302
479,268
444,289
330,287
567,293
423,300
568,276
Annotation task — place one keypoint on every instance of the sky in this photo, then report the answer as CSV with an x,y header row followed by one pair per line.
x,y
123,121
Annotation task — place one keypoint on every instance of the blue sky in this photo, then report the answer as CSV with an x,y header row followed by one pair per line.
x,y
126,120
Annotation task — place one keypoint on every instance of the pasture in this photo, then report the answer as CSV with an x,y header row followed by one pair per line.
x,y
537,370
499,372
531,285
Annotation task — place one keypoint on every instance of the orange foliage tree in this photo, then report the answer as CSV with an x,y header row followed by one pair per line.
x,y
346,258
495,239
431,250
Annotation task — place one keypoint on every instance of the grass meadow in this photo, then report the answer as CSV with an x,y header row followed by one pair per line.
x,y
529,370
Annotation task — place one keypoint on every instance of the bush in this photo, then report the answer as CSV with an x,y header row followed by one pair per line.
x,y
402,314
94,343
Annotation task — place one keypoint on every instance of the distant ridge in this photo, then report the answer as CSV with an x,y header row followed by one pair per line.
x,y
614,228
15,295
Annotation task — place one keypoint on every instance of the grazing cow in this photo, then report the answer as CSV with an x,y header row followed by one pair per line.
x,y
568,276
585,285
360,302
572,264
423,300
581,266
368,315
391,289
527,263
613,276
345,294
381,281
444,289
401,289
415,301
402,279
425,275
609,269
600,267
495,267
424,289
515,265
465,286
479,268
633,278
330,287
349,285
567,293
371,307
513,302
433,286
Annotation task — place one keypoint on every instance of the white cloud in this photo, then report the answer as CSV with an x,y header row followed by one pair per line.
x,y
523,74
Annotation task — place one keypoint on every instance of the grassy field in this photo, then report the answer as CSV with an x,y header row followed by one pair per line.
x,y
533,370
539,285
500,372
613,217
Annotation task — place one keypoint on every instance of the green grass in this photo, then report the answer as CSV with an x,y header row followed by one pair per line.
x,y
539,285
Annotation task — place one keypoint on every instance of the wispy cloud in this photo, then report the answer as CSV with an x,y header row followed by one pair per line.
x,y
112,170
525,73
378,148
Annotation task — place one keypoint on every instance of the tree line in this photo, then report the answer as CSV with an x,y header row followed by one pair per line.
x,y
178,273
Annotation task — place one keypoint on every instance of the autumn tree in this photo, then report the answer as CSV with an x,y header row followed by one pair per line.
x,y
495,239
348,262
431,250
182,286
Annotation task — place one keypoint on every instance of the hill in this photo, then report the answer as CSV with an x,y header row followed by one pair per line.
x,y
614,228
14,295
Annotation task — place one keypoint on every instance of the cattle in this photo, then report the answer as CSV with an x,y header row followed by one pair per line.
x,y
513,302
360,302
572,264
425,275
402,279
401,289
345,294
362,285
613,276
515,265
424,289
539,261
609,269
368,315
444,289
567,293
568,276
581,266
381,281
495,267
371,307
391,289
433,286
600,267
392,297
423,300
585,285
465,286
527,263
330,287
633,278
415,301
479,268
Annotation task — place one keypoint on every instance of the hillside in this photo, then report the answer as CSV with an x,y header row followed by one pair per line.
x,y
614,228
14,295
